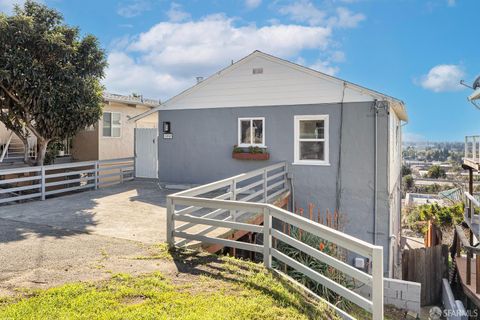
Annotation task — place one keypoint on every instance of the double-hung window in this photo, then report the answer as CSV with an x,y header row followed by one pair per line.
x,y
311,140
251,132
111,124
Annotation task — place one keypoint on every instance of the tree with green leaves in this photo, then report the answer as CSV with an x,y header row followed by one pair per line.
x,y
436,172
406,170
49,76
408,183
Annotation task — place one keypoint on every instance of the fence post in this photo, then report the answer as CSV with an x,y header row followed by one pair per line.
x,y
43,183
96,174
265,191
267,238
170,222
377,283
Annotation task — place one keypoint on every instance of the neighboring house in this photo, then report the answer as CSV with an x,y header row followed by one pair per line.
x,y
113,136
342,141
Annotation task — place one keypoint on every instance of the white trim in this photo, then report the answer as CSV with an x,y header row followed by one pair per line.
x,y
297,140
239,132
112,125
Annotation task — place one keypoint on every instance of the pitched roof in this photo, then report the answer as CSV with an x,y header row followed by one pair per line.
x,y
397,105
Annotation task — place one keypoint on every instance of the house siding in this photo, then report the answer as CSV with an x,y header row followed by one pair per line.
x,y
123,146
202,143
92,145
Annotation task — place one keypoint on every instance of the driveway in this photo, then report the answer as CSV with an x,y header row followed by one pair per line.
x,y
134,210
85,236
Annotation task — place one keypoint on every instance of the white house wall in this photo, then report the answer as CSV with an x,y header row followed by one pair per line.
x,y
279,84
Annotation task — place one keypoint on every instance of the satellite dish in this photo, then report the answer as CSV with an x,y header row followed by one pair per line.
x,y
476,83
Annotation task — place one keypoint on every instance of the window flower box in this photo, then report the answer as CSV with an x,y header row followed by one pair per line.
x,y
250,156
252,153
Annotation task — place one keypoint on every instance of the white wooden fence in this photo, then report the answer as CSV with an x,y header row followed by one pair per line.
x,y
222,204
38,183
471,215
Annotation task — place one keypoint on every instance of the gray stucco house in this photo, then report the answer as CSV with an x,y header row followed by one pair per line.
x,y
342,141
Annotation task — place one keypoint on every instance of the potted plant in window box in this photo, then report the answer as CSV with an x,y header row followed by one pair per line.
x,y
252,153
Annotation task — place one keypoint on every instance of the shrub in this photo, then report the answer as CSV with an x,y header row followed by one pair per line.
x,y
442,216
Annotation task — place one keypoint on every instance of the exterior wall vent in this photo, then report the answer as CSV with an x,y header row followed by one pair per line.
x,y
257,70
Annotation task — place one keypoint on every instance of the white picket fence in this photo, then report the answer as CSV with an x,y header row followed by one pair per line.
x,y
227,203
37,183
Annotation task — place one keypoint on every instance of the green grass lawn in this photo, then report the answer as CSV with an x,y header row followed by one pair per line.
x,y
226,289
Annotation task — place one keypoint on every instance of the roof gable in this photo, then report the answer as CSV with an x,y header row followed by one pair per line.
x,y
260,79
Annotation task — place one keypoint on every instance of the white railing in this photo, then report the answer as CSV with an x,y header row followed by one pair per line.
x,y
38,183
471,214
5,147
224,205
472,148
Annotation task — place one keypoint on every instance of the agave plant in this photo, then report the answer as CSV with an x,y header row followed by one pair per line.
x,y
314,264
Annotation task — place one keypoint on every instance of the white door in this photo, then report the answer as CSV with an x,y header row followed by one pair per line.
x,y
146,152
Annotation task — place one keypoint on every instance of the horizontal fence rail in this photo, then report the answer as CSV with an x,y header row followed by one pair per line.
x,y
38,183
472,148
199,214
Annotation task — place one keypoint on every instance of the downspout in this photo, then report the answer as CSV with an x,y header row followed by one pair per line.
x,y
377,106
375,146
338,200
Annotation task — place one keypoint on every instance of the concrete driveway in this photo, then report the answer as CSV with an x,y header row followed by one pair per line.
x,y
85,236
134,210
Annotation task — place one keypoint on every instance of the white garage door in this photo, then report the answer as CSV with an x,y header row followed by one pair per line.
x,y
146,152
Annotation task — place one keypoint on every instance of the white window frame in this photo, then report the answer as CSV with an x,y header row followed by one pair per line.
x,y
112,125
246,145
325,139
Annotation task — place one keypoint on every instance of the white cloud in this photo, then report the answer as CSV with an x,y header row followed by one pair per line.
x,y
325,66
443,77
338,56
176,13
133,8
451,3
166,58
304,11
252,4
347,19
125,76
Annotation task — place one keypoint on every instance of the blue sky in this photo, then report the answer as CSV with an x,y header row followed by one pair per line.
x,y
416,51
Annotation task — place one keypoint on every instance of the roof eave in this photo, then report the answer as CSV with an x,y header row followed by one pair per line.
x,y
144,114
